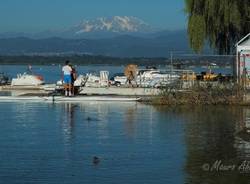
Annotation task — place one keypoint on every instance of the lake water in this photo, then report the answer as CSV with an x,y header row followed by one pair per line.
x,y
134,143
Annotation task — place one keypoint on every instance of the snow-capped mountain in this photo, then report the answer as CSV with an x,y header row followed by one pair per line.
x,y
102,27
116,24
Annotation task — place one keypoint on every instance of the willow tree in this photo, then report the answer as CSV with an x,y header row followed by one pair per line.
x,y
221,23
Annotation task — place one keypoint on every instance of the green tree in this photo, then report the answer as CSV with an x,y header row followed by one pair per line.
x,y
221,23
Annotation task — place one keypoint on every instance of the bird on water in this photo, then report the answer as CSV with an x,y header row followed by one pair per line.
x,y
96,160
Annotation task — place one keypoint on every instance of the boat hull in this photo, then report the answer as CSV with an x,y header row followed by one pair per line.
x,y
120,91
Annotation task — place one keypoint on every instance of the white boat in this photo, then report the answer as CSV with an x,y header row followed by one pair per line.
x,y
27,80
155,78
149,78
66,99
91,80
120,80
145,78
147,83
157,74
80,81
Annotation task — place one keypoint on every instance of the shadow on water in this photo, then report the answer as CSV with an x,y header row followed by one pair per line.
x,y
217,143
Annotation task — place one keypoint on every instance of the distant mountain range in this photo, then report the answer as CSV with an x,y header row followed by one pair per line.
x,y
119,36
158,45
116,24
102,27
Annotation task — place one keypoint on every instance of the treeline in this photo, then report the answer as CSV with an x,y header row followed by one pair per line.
x,y
105,60
221,23
79,60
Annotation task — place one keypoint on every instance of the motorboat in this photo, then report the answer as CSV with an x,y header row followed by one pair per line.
x,y
149,78
27,80
144,78
91,80
80,81
157,74
145,83
119,80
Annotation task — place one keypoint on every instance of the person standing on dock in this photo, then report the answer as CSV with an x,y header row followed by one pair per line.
x,y
66,70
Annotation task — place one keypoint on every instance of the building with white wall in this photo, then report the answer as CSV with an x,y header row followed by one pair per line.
x,y
242,66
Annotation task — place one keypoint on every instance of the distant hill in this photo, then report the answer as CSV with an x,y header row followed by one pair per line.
x,y
149,45
104,60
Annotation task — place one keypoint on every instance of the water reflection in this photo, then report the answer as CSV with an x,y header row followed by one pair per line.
x,y
106,114
170,145
242,142
68,120
212,142
129,121
102,115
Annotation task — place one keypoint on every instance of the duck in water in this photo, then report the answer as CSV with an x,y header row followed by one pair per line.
x,y
96,160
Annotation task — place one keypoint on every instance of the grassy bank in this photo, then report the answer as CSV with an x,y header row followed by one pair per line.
x,y
222,94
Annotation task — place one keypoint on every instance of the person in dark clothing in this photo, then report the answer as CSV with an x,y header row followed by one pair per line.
x,y
73,78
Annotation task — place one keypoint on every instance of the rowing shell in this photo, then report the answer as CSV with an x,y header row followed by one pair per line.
x,y
66,99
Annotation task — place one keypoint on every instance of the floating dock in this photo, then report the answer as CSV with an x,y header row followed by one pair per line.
x,y
39,87
66,99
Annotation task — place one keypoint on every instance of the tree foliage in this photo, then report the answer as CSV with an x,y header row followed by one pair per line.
x,y
221,23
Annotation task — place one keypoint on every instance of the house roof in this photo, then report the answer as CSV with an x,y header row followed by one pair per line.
x,y
245,40
244,44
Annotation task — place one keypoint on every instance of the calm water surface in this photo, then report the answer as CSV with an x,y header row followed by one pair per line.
x,y
136,143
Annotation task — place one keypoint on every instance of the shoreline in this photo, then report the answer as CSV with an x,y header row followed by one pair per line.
x,y
236,97
180,98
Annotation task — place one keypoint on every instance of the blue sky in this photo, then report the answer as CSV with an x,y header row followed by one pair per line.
x,y
40,15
